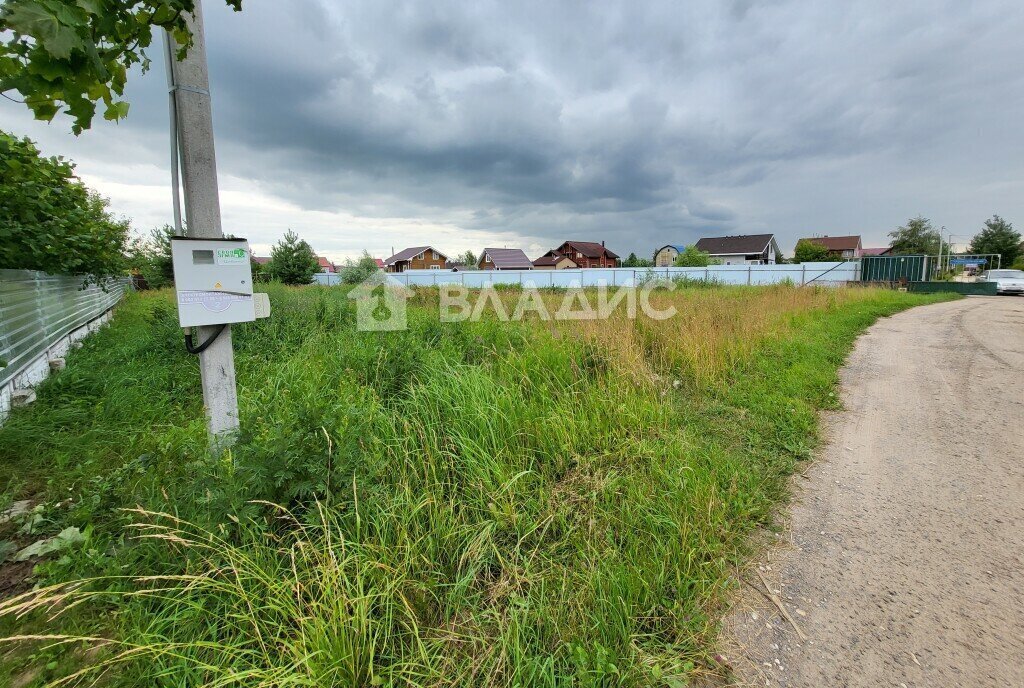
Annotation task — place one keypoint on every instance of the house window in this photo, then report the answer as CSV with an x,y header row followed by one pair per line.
x,y
433,254
419,257
435,267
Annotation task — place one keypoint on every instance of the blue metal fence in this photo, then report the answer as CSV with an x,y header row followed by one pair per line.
x,y
831,273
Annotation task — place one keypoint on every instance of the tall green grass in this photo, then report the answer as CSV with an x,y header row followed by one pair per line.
x,y
474,504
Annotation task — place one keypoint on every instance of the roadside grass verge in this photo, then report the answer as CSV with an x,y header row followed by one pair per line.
x,y
475,504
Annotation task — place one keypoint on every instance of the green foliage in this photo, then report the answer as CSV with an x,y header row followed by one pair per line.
x,y
632,261
468,258
357,271
151,257
692,257
292,260
486,504
999,237
259,270
808,251
76,54
50,220
917,237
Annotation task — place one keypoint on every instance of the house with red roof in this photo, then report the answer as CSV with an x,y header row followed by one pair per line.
x,y
588,254
553,260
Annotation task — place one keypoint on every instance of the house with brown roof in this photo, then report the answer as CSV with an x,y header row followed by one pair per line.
x,y
553,260
504,259
588,254
742,249
868,252
845,247
416,258
326,265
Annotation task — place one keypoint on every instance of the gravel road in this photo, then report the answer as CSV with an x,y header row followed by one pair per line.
x,y
903,563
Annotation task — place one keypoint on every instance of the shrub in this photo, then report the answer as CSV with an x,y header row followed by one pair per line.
x,y
808,251
692,257
358,271
50,220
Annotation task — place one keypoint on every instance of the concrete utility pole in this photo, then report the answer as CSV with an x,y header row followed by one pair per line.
x,y
202,212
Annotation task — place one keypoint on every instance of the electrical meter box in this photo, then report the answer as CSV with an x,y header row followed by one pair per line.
x,y
213,278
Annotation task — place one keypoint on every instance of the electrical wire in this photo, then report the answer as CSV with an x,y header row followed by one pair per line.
x,y
193,349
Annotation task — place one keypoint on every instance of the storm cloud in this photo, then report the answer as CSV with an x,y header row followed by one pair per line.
x,y
379,124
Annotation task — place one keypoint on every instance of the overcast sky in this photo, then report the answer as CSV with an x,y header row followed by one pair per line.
x,y
377,124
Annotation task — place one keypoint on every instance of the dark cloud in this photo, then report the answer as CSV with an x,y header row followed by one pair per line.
x,y
637,123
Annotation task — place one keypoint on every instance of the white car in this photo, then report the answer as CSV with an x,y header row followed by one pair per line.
x,y
1007,281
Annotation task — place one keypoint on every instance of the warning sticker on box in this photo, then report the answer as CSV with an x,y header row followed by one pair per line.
x,y
232,256
214,301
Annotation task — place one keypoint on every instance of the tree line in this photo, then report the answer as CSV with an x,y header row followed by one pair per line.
x,y
920,237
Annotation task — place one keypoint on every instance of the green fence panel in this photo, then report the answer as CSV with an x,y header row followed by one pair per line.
x,y
895,268
967,288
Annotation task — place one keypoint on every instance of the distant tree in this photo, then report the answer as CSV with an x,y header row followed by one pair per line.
x,y
918,236
692,257
633,261
356,271
49,219
468,258
292,260
808,251
259,270
151,257
998,236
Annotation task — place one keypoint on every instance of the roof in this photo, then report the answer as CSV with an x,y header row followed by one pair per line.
x,y
324,263
410,253
836,243
552,258
379,262
591,249
734,245
508,258
884,251
678,247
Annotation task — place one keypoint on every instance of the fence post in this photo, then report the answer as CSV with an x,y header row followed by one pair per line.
x,y
803,274
749,268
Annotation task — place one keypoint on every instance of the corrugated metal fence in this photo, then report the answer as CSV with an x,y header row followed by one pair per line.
x,y
825,273
37,310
